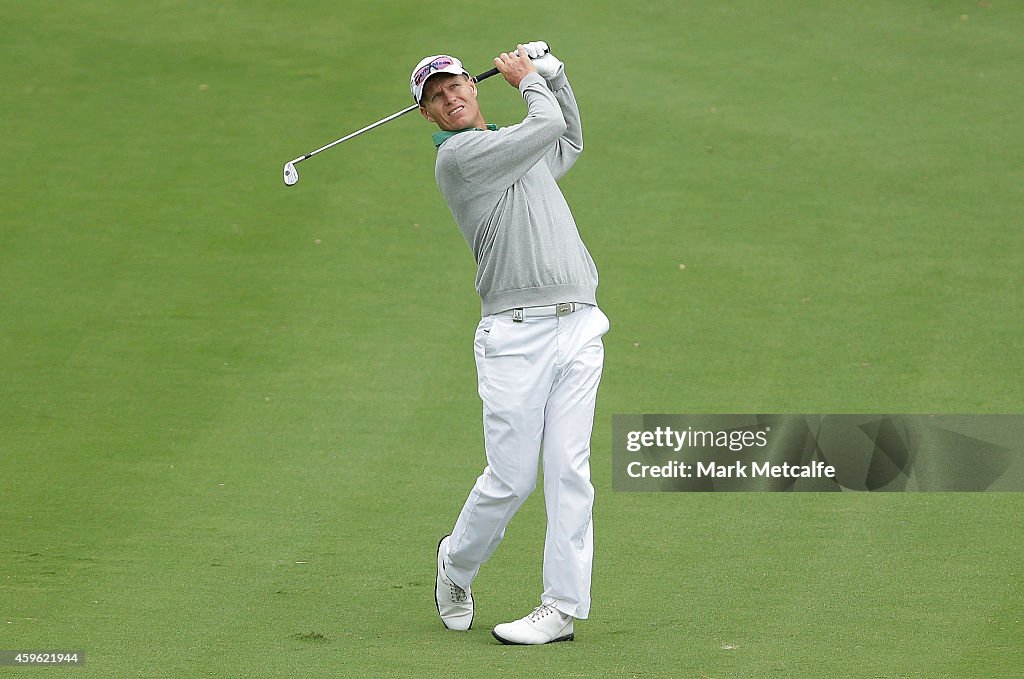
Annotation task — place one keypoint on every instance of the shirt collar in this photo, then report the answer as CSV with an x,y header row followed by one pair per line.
x,y
444,135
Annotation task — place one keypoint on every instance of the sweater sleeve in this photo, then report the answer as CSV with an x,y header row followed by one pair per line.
x,y
499,159
561,156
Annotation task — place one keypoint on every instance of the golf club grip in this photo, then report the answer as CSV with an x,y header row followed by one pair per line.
x,y
486,74
494,71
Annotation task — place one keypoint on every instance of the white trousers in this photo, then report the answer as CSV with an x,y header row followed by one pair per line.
x,y
538,381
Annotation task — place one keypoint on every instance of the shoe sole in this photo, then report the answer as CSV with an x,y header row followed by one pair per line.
x,y
567,637
437,603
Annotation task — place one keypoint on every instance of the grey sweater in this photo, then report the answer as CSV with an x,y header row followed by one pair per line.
x,y
500,185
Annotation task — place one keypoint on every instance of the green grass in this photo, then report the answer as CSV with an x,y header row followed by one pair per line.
x,y
235,418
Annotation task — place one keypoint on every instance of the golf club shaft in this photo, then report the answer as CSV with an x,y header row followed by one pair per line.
x,y
398,114
291,174
357,132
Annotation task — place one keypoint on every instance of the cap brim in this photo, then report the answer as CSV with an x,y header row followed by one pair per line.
x,y
444,71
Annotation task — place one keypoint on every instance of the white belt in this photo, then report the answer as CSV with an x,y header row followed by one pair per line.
x,y
561,309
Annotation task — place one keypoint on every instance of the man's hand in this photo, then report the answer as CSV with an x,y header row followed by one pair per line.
x,y
515,66
547,64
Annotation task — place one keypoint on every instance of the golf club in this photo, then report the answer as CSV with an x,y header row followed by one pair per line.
x,y
291,175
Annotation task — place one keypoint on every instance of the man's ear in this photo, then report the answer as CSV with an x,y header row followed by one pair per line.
x,y
423,112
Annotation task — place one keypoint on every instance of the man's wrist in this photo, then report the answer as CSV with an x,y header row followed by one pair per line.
x,y
558,80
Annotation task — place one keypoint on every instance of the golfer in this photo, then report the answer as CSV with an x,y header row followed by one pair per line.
x,y
538,347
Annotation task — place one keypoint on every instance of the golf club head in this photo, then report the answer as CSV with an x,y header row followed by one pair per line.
x,y
291,175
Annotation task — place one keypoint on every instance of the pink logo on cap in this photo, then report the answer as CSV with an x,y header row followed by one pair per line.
x,y
435,65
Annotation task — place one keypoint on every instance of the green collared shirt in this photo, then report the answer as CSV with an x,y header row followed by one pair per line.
x,y
444,135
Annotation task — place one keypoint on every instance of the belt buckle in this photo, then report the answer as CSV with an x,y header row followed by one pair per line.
x,y
564,308
517,315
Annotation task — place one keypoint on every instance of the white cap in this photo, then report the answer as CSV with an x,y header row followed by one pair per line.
x,y
439,63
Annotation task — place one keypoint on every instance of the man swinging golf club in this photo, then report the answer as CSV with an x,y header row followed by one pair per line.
x,y
538,347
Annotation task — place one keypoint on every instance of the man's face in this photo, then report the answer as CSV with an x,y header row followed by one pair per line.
x,y
449,101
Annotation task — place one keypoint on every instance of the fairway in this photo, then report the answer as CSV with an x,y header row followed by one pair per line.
x,y
236,417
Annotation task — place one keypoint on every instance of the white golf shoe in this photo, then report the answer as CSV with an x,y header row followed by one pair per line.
x,y
544,626
454,604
